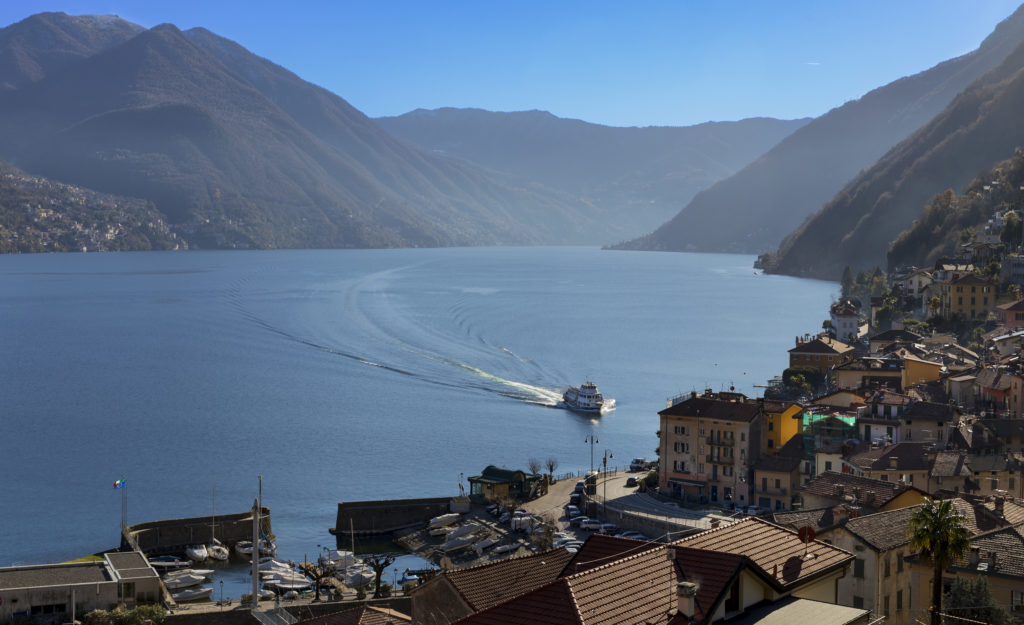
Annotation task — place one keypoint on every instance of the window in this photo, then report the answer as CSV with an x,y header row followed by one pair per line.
x,y
858,602
778,484
771,426
828,465
899,600
771,444
885,604
885,477
888,570
858,568
899,562
1017,600
743,436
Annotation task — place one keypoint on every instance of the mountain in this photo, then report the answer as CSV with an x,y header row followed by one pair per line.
x,y
754,209
636,178
46,42
238,152
980,128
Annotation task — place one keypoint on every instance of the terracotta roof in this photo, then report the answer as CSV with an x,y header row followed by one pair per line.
x,y
873,493
601,549
1012,306
363,615
776,550
974,521
1003,428
712,570
844,308
909,455
969,280
868,363
710,408
821,345
495,582
776,406
634,589
883,530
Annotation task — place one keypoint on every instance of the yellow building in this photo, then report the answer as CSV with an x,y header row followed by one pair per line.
x,y
918,371
968,295
782,421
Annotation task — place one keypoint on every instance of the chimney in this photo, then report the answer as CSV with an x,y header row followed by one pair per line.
x,y
686,599
1000,501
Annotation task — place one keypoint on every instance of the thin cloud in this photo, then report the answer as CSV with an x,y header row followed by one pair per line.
x,y
811,63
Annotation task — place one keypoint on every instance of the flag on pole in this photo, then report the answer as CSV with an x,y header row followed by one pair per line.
x,y
119,484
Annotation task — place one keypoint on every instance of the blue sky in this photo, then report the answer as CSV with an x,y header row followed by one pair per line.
x,y
615,63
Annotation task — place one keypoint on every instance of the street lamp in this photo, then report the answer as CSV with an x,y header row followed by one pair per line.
x,y
394,583
604,462
591,439
222,592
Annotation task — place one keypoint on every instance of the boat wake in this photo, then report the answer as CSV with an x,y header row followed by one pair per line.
x,y
404,336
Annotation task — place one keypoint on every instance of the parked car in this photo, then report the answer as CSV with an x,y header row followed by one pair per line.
x,y
756,510
590,524
638,464
630,482
576,520
574,499
505,517
569,508
580,486
635,535
609,528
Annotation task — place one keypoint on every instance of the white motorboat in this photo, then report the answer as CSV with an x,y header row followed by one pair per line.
x,y
273,564
485,543
203,572
458,543
342,559
358,575
283,576
184,581
585,398
196,553
193,594
244,548
265,595
464,530
443,520
286,586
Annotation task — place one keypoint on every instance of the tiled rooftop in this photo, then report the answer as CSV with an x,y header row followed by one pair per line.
x,y
909,455
363,615
866,490
710,408
777,550
1000,551
601,549
53,575
496,582
883,530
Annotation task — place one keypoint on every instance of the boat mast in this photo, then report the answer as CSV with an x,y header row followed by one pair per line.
x,y
213,508
255,555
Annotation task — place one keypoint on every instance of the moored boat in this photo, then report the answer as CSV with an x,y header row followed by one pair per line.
x,y
197,553
184,581
193,594
218,552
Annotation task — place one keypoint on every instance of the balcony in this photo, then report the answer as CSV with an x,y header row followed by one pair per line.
x,y
721,441
721,460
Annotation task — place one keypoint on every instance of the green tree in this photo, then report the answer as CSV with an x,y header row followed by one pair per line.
x,y
971,599
1011,232
846,282
379,563
937,531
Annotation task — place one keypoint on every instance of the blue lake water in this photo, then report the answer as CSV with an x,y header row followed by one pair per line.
x,y
347,375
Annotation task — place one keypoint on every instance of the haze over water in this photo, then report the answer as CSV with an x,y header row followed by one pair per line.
x,y
347,375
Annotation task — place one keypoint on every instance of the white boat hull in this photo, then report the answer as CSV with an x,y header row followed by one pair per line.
x,y
193,594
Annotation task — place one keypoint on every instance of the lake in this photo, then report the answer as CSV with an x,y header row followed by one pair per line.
x,y
344,375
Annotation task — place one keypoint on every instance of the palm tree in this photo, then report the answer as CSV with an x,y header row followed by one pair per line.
x,y
937,530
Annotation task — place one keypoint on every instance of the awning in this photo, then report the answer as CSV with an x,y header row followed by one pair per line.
x,y
680,482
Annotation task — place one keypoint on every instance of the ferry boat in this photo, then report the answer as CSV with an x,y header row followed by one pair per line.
x,y
584,398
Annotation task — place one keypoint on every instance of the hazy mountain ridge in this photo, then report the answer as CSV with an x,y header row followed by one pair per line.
x,y
635,177
980,128
754,209
240,152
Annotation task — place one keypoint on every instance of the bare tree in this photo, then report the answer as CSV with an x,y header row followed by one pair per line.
x,y
324,569
551,464
379,563
533,465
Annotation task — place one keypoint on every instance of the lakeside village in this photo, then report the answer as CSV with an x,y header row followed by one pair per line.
x,y
878,480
